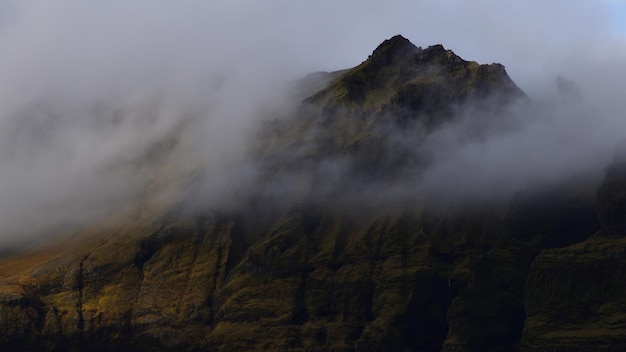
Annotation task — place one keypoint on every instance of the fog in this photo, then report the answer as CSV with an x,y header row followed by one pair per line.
x,y
106,103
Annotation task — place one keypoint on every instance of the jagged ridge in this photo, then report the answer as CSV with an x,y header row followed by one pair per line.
x,y
408,82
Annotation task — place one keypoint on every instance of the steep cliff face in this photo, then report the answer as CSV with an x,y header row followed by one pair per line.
x,y
574,297
465,277
311,281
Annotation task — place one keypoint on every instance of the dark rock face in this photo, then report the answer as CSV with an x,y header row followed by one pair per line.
x,y
574,298
574,295
612,196
517,275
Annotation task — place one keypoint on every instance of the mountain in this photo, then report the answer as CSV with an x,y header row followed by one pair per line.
x,y
400,81
325,265
370,121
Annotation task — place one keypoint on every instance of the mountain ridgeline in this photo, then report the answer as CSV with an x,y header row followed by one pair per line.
x,y
348,257
400,81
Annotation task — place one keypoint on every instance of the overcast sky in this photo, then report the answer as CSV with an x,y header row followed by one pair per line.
x,y
533,39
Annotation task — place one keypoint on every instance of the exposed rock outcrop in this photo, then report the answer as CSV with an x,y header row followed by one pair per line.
x,y
401,82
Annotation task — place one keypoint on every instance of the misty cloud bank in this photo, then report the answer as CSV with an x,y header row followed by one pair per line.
x,y
527,148
103,104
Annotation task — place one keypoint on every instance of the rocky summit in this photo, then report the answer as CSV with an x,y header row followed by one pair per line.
x,y
400,81
537,272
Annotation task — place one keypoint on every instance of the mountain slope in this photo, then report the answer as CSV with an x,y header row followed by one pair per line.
x,y
365,130
319,273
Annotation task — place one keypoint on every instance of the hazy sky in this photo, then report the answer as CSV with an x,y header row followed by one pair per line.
x,y
531,38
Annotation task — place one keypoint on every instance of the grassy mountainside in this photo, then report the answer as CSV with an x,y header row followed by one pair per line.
x,y
311,281
313,276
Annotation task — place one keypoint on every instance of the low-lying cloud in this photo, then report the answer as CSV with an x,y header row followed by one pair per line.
x,y
99,99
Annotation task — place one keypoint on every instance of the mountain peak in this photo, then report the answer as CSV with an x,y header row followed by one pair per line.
x,y
400,79
391,49
396,42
